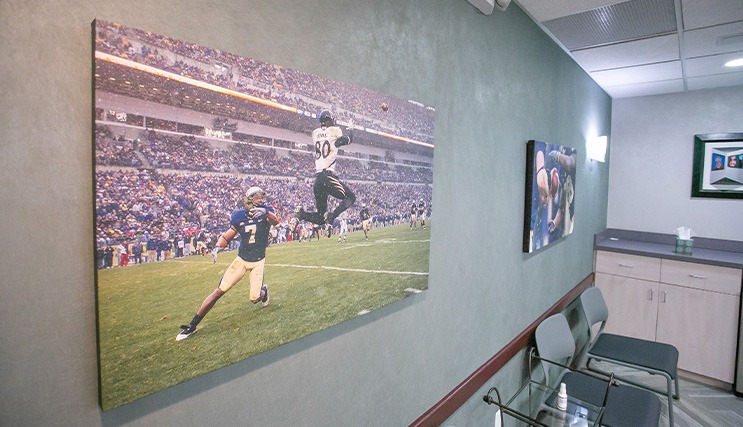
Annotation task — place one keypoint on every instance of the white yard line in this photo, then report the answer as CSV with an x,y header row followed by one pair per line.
x,y
357,270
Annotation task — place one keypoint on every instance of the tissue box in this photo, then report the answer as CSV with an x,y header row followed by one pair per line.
x,y
683,246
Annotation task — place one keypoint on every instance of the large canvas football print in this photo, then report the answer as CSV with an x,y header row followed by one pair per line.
x,y
550,194
241,205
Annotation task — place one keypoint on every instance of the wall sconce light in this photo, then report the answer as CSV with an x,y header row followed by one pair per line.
x,y
596,148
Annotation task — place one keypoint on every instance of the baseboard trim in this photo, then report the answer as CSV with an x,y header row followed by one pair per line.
x,y
712,382
449,404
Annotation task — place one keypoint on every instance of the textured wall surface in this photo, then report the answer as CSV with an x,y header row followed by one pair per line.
x,y
652,152
496,81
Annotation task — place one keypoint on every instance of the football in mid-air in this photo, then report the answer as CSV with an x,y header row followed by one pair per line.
x,y
384,106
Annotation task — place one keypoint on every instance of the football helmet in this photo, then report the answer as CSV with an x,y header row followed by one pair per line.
x,y
326,118
250,197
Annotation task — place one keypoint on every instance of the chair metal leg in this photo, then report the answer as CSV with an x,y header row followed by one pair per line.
x,y
670,399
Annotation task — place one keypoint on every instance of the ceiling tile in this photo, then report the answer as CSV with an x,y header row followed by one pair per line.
x,y
634,47
710,65
648,51
713,40
640,74
720,80
703,13
642,89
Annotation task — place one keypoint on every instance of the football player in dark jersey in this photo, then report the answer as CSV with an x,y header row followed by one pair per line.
x,y
422,214
365,220
413,214
253,224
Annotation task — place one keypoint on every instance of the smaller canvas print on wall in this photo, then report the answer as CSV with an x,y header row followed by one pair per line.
x,y
549,206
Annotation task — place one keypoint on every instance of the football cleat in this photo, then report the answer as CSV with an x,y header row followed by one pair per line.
x,y
265,299
187,331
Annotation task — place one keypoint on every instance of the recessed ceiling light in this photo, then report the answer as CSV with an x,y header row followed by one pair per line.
x,y
735,63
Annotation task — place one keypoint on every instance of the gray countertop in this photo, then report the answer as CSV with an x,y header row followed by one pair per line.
x,y
723,253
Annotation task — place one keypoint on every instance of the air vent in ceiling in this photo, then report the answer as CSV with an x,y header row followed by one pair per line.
x,y
630,20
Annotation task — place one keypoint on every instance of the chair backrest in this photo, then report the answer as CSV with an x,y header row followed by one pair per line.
x,y
594,306
555,342
595,309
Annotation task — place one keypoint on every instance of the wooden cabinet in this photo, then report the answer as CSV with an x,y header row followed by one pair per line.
x,y
625,265
630,287
692,306
632,305
703,325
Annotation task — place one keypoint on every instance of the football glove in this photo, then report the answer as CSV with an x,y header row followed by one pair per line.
x,y
257,213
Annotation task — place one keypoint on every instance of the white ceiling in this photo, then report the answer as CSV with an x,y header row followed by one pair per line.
x,y
647,47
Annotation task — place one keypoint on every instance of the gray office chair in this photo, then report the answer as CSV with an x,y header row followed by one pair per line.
x,y
625,405
642,355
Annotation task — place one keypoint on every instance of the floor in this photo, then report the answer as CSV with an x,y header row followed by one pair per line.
x,y
700,405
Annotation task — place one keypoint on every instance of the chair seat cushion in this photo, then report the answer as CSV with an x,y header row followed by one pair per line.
x,y
637,352
626,405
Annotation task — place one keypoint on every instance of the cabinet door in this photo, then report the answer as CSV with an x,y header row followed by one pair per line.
x,y
632,305
703,326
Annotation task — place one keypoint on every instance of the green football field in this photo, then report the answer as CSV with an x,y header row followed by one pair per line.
x,y
313,285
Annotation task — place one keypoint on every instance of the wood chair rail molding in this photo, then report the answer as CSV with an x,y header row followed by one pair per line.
x,y
449,404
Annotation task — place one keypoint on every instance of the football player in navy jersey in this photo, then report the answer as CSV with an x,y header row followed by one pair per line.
x,y
328,138
253,224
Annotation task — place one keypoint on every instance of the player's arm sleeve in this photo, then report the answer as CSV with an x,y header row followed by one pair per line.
x,y
344,139
226,238
271,216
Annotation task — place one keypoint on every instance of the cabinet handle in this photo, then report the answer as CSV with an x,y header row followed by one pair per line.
x,y
696,276
663,298
627,265
650,294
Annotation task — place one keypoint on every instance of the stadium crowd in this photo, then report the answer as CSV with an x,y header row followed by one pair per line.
x,y
186,152
126,81
164,211
268,81
176,205
170,192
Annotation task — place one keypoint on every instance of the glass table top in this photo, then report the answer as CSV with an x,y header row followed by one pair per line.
x,y
539,404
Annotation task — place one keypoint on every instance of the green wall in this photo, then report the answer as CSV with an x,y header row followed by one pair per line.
x,y
496,81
